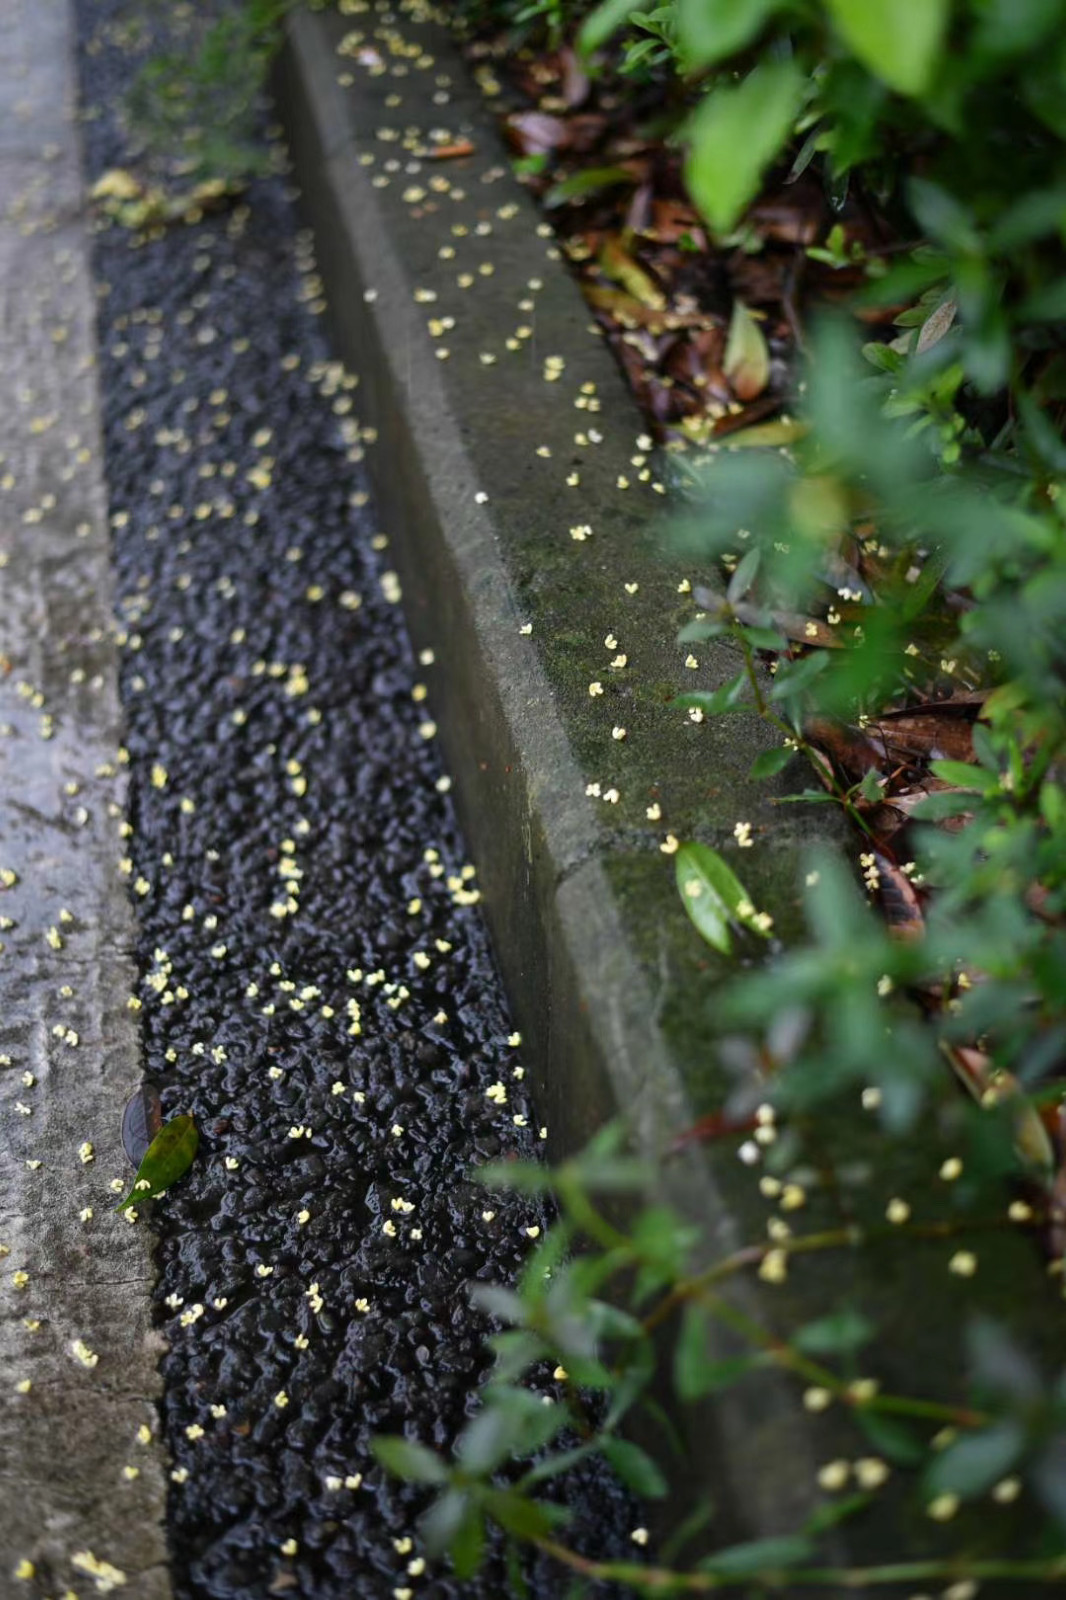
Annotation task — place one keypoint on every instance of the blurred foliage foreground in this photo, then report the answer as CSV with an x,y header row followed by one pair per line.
x,y
889,559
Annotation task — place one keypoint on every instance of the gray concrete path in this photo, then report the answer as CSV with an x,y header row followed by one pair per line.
x,y
81,1474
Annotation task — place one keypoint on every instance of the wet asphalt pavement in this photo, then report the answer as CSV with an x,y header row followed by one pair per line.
x,y
316,986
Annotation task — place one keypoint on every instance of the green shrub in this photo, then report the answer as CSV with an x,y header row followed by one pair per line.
x,y
938,455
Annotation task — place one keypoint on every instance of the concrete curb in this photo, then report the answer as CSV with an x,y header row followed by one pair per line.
x,y
473,454
82,1475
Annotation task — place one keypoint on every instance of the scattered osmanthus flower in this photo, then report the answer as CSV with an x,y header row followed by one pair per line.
x,y
1007,1490
834,1475
107,1577
817,1399
774,1266
81,1353
871,1472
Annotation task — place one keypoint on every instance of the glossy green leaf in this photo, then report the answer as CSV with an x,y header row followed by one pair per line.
x,y
734,135
710,30
899,41
710,893
168,1158
771,762
964,776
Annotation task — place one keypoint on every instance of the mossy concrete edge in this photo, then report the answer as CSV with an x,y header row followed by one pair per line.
x,y
579,993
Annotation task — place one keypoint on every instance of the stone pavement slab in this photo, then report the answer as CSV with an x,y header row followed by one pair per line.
x,y
81,1476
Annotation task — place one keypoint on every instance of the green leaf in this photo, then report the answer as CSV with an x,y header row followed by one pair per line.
x,y
940,804
828,1515
1047,304
899,41
771,762
552,1466
744,576
603,22
762,638
890,1437
976,1461
515,1352
524,1518
730,697
710,893
943,216
467,1545
710,30
694,1374
168,1157
734,134
964,776
846,1330
522,1175
793,677
512,1421
636,1468
503,1304
696,632
807,797
760,1555
443,1519
408,1460
592,180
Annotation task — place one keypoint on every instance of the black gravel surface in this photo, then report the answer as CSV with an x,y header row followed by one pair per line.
x,y
317,987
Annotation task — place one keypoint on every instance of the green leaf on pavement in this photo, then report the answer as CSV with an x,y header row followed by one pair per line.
x,y
771,762
710,893
168,1158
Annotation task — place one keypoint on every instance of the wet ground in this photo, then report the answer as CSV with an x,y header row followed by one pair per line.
x,y
315,985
